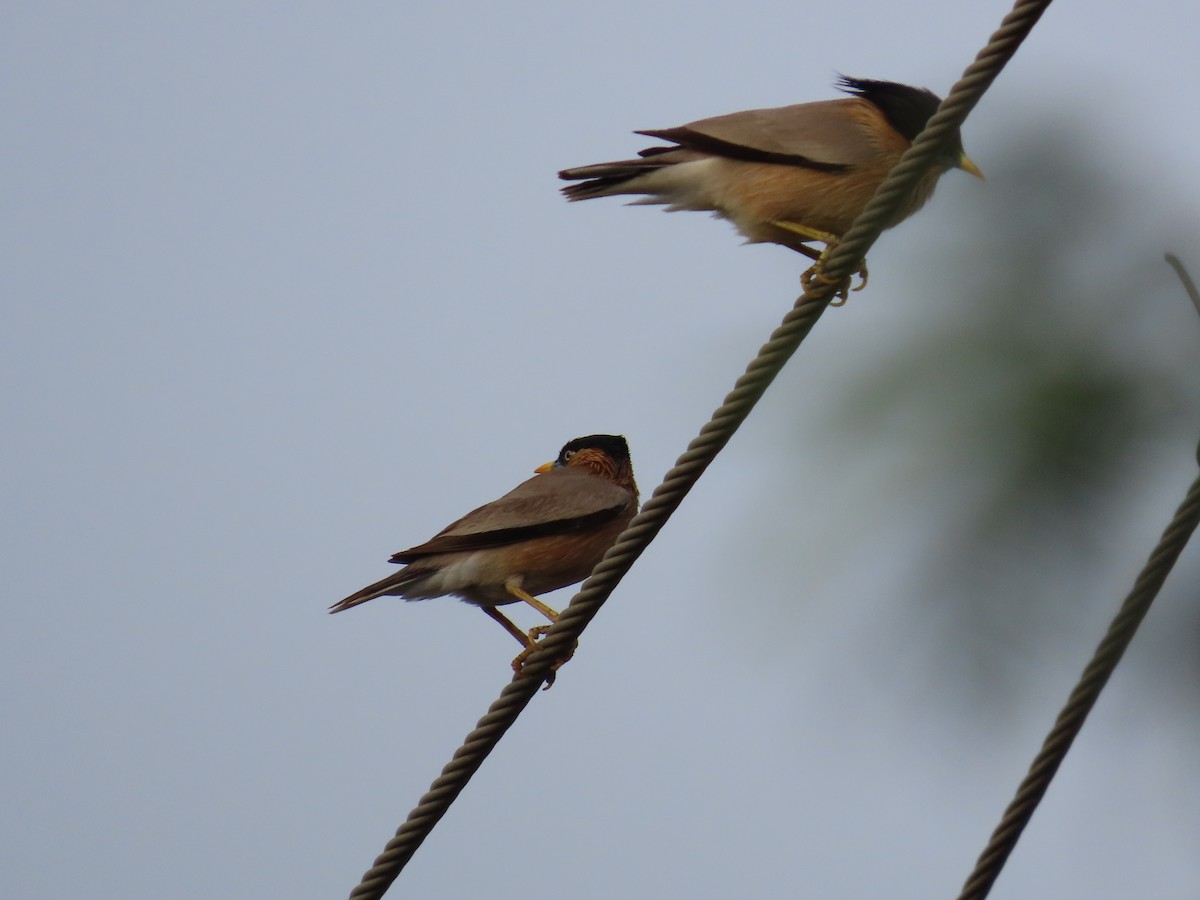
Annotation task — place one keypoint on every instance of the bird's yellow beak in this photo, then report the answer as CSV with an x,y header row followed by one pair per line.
x,y
964,163
544,468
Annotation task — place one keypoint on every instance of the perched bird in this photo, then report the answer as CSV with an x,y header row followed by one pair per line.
x,y
546,533
789,175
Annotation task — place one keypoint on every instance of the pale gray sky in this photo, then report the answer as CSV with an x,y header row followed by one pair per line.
x,y
288,287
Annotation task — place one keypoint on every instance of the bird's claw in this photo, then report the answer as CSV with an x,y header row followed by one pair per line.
x,y
535,635
815,273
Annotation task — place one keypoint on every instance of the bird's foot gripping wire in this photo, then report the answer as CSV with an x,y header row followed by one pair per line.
x,y
806,234
815,272
530,640
518,664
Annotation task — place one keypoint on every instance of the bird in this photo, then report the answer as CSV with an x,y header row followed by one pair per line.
x,y
548,532
788,175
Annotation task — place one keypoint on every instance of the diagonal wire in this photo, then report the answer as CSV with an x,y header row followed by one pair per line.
x,y
676,484
1083,697
976,79
1188,284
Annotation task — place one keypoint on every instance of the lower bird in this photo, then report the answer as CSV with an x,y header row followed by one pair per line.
x,y
547,533
790,175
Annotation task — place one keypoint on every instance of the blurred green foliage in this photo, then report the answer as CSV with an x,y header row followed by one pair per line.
x,y
1040,400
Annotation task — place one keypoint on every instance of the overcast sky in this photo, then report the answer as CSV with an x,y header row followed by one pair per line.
x,y
288,287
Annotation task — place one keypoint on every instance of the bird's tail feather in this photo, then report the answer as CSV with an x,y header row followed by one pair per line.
x,y
606,179
392,585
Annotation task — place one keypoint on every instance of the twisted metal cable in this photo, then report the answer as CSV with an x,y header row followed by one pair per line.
x,y
1109,652
976,79
1188,285
676,484
1083,697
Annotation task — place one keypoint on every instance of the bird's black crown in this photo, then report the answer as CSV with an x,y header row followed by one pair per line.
x,y
906,108
612,444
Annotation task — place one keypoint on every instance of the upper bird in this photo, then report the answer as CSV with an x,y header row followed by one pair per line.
x,y
788,175
546,533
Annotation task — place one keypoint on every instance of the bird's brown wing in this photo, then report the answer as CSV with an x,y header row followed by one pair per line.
x,y
560,501
826,135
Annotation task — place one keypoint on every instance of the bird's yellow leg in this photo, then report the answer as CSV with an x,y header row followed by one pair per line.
x,y
530,640
510,626
811,234
514,588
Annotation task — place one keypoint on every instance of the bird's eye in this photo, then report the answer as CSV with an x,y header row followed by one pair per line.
x,y
567,454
